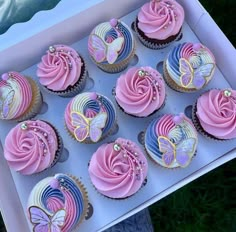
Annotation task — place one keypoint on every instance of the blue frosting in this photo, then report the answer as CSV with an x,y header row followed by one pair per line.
x,y
91,104
174,57
128,42
151,142
74,190
111,114
96,105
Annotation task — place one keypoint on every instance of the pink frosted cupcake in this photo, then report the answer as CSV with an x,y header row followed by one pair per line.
x,y
62,71
159,23
119,169
32,146
20,97
140,91
214,114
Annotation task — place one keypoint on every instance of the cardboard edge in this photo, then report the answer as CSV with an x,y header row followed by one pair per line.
x,y
193,176
10,197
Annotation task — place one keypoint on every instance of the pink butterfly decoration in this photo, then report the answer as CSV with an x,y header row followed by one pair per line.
x,y
5,103
88,127
197,77
182,152
103,50
45,223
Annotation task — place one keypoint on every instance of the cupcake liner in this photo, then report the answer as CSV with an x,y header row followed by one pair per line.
x,y
78,87
85,199
154,112
36,103
153,45
116,68
120,199
60,147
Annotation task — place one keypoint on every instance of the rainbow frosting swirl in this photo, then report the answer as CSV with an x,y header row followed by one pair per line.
x,y
190,66
15,95
59,193
140,91
90,116
171,140
31,147
111,42
118,169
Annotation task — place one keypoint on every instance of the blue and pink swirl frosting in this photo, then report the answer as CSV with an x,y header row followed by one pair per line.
x,y
107,33
61,192
90,104
200,65
175,128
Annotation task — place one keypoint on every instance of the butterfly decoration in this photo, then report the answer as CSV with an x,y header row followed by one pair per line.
x,y
182,152
5,103
88,127
45,223
195,76
103,50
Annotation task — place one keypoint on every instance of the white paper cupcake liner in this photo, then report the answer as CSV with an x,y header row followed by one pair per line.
x,y
153,45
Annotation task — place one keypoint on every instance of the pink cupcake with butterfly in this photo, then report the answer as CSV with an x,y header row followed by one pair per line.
x,y
189,67
111,46
171,140
90,117
20,97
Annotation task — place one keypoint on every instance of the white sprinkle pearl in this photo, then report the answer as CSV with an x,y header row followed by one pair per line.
x,y
24,126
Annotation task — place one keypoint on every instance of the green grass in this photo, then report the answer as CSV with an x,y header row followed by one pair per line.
x,y
207,204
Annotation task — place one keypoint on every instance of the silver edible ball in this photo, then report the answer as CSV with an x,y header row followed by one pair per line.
x,y
116,147
141,73
52,49
24,126
227,93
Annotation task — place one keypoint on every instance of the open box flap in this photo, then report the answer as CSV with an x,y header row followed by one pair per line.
x,y
68,24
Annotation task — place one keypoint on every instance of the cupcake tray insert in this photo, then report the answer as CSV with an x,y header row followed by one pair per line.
x,y
15,188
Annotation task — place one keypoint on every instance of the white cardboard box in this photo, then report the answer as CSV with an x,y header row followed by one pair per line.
x,y
23,45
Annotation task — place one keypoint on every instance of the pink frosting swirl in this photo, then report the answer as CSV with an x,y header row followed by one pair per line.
x,y
216,111
15,95
30,147
161,19
118,169
165,125
59,68
140,91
